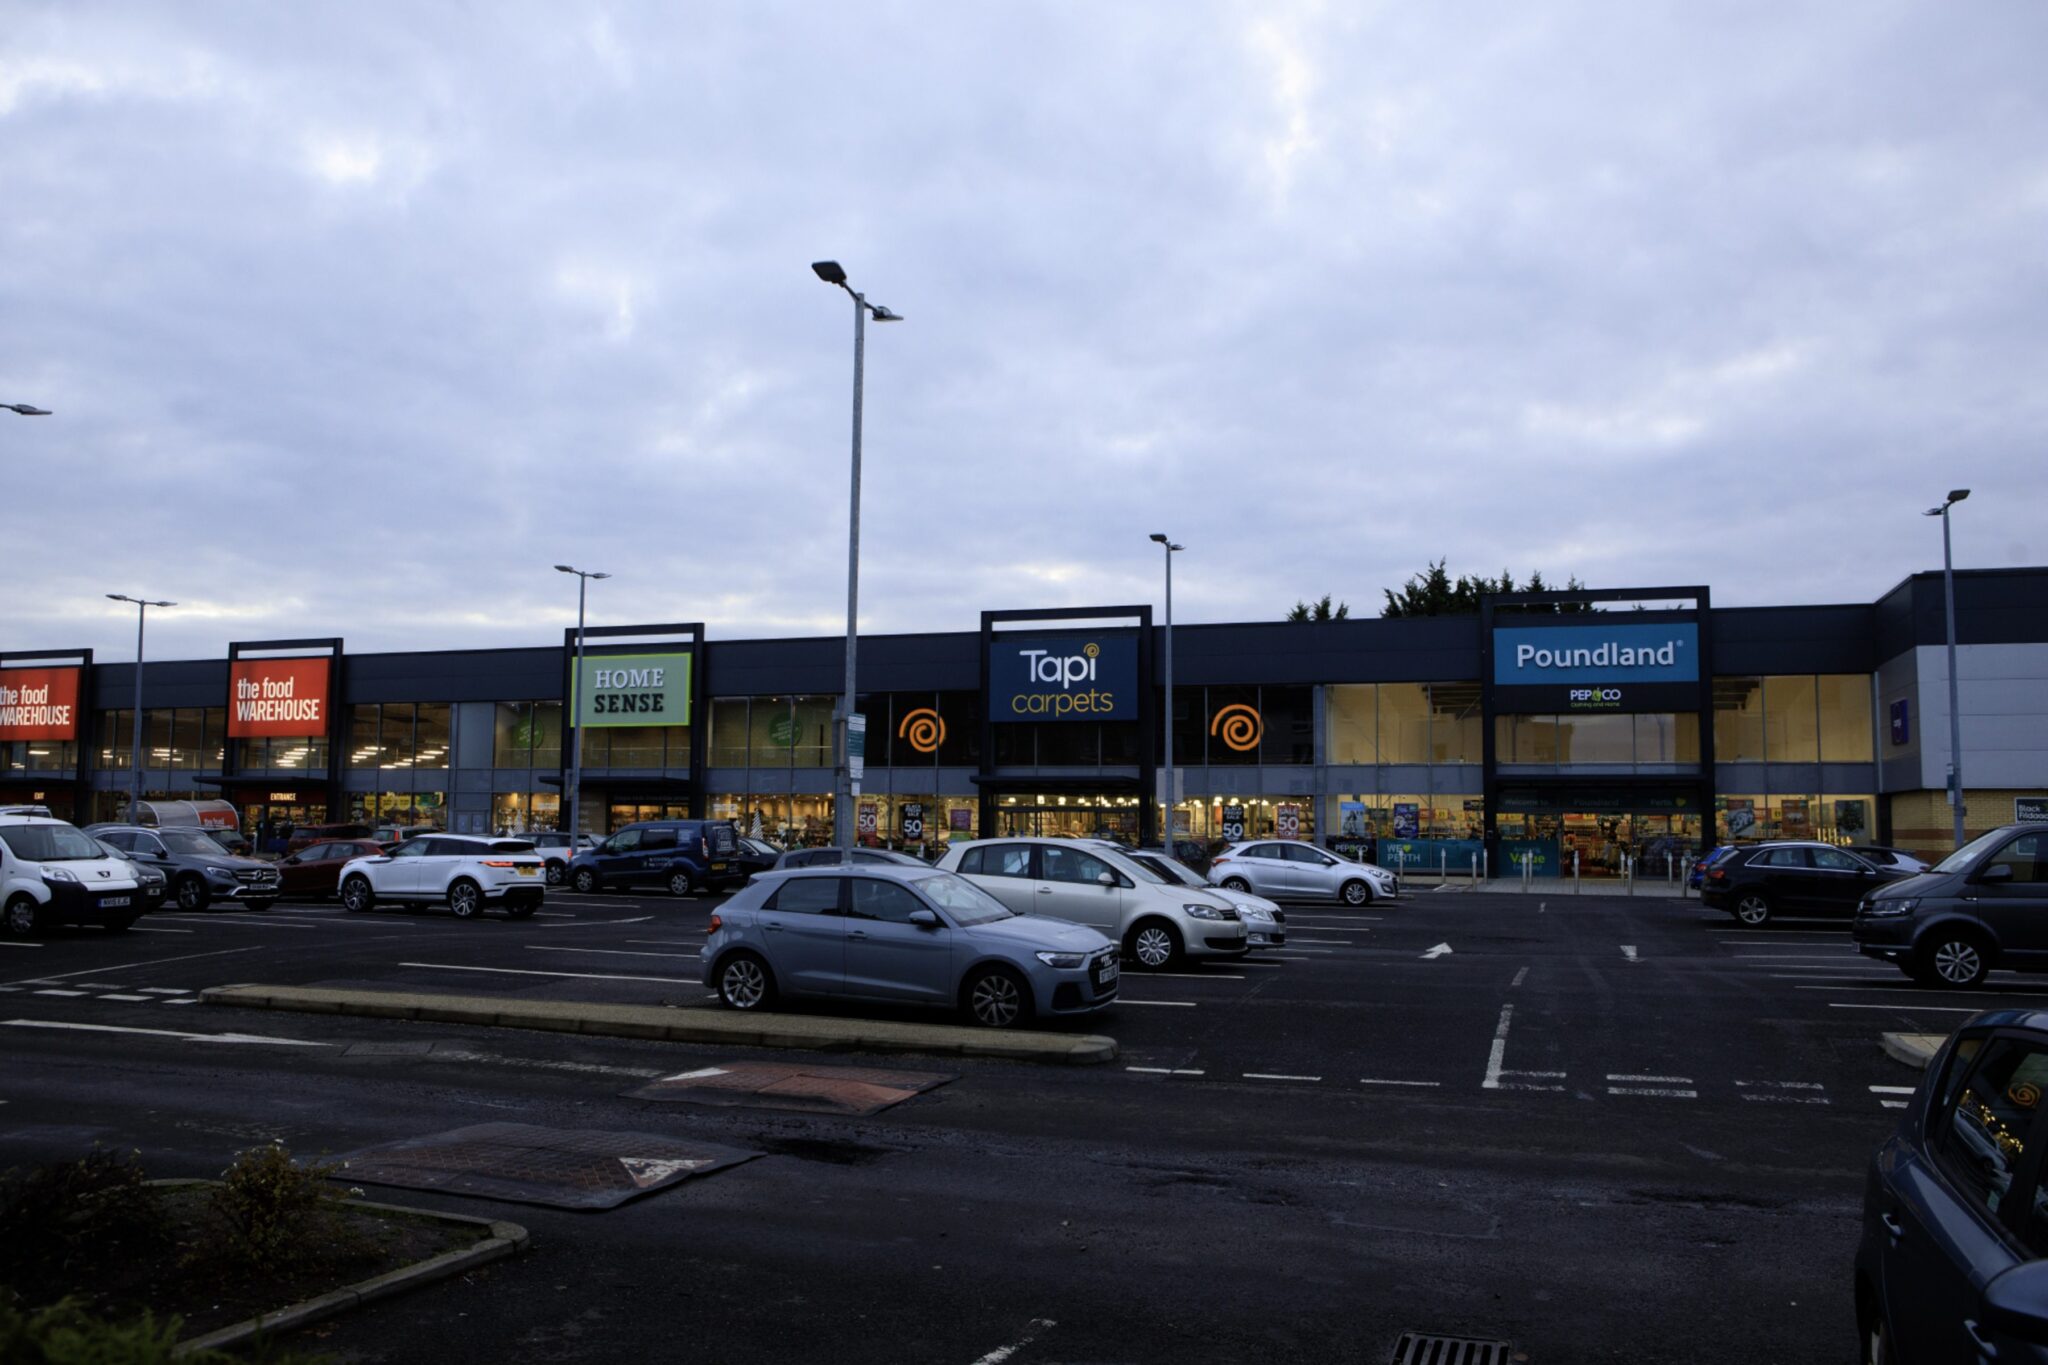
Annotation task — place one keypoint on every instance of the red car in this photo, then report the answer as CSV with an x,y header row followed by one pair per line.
x,y
316,869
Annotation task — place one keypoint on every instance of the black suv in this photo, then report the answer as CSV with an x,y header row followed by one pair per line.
x,y
1983,906
683,855
1758,883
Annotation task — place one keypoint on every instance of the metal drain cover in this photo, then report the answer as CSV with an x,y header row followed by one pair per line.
x,y
1421,1348
562,1168
849,1090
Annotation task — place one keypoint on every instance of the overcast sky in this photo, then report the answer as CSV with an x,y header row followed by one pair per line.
x,y
356,318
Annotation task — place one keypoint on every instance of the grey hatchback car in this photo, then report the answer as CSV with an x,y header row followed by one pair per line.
x,y
902,935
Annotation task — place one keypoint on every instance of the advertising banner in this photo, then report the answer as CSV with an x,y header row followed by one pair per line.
x,y
278,698
1233,824
1287,822
2029,808
1406,822
1741,816
1852,819
1902,720
913,822
38,703
633,689
865,824
1073,675
1625,666
1351,819
960,819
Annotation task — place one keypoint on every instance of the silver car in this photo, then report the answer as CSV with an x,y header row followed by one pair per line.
x,y
1265,924
1285,869
902,935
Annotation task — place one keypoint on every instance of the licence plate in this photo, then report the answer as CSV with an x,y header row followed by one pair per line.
x,y
718,867
112,902
528,871
1107,972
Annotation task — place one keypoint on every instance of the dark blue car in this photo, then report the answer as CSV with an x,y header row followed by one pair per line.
x,y
683,855
1955,1214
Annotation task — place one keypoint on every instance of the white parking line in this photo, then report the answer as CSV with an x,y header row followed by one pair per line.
x,y
1326,929
1303,952
1628,950
1495,1069
1858,958
1164,1071
243,920
1192,976
609,952
598,923
1878,985
140,929
10,943
60,992
166,1033
1276,1076
580,976
1905,1008
1519,976
1370,1080
142,998
1893,1104
1666,1094
166,990
669,942
1180,1004
1892,1089
1333,942
1321,920
1652,1080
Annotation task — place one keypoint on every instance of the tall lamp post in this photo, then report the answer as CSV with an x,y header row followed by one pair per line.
x,y
1955,718
842,806
1172,796
583,577
142,607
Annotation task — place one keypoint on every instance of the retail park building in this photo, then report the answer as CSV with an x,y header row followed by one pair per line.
x,y
1535,728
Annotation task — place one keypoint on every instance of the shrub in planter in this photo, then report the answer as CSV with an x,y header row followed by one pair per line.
x,y
66,1224
277,1213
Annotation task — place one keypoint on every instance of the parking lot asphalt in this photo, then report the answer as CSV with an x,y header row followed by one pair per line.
x,y
1594,1127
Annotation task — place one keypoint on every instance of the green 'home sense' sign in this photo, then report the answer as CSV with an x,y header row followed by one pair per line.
x,y
634,689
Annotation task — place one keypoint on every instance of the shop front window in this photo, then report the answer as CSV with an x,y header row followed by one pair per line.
x,y
1739,720
1848,819
729,732
1404,723
431,735
395,747
1845,730
1351,718
1791,720
1525,739
1455,722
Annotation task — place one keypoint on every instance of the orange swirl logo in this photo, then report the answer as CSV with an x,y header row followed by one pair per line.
x,y
2025,1094
1240,727
923,729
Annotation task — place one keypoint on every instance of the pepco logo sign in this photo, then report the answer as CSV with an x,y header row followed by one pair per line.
x,y
923,730
1240,727
277,698
38,703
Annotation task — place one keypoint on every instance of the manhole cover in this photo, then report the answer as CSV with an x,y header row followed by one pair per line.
x,y
529,1165
849,1090
1419,1348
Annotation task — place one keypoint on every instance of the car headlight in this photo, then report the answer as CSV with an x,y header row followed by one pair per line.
x,y
1209,912
1257,912
221,873
1063,961
59,874
1902,905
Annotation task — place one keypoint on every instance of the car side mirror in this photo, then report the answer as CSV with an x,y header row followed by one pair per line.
x,y
925,919
1997,872
2016,1303
1106,878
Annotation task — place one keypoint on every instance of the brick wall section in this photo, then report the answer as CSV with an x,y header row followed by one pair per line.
x,y
1923,825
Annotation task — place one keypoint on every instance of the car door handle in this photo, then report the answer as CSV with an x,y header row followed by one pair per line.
x,y
1892,1225
773,926
1045,891
856,933
1985,1345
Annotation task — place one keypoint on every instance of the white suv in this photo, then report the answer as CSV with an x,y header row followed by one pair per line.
x,y
469,872
1084,883
52,872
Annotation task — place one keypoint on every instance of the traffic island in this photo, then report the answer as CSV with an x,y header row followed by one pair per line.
x,y
808,1032
1914,1049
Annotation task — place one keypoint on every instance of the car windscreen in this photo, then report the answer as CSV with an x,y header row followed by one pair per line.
x,y
188,841
1968,853
1166,870
50,843
967,903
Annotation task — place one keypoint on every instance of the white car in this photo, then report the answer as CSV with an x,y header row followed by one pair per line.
x,y
1265,924
52,872
1287,869
466,871
1157,923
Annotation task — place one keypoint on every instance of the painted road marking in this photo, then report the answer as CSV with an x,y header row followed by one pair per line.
x,y
1496,1070
580,976
1906,1008
598,923
1291,953
1321,920
1276,1076
1441,950
1628,950
1651,1080
1772,1092
1370,1080
60,992
1893,1104
249,923
167,990
166,1033
1519,976
1179,1004
611,952
1326,929
669,942
1667,1094
1892,1089
1032,1331
1334,942
11,943
1193,976
131,998
141,929
1164,1071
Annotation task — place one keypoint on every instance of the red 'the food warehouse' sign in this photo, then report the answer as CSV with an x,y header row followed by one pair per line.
x,y
38,703
277,698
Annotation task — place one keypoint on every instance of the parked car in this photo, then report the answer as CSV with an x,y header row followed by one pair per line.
x,y
1286,869
305,836
153,884
1983,906
1949,1265
1877,855
52,873
1760,883
469,872
1697,877
233,841
557,847
1157,924
200,871
1265,923
755,855
683,855
316,869
390,835
831,857
903,935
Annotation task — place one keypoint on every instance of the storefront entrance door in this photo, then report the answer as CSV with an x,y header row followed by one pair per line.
x,y
1080,818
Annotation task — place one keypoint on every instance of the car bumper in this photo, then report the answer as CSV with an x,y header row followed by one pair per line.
x,y
1218,942
1080,990
1887,938
76,903
1716,898
1265,936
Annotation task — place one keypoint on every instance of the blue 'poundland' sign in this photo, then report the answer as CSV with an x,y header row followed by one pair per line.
x,y
1621,652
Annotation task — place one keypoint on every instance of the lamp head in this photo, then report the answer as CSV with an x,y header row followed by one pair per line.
x,y
600,575
563,568
882,314
1934,511
26,409
1958,494
1159,537
829,271
119,597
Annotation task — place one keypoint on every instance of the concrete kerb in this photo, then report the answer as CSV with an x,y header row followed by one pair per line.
x,y
497,1239
1914,1049
811,1033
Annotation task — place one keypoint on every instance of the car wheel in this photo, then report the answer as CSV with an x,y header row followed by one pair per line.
x,y
745,983
21,917
465,898
1753,908
679,883
584,880
1236,884
356,893
1357,891
1957,960
192,893
996,998
1153,944
555,873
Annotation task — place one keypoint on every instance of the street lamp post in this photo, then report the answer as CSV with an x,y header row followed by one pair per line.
x,y
1955,718
1172,796
25,409
842,807
142,607
583,577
